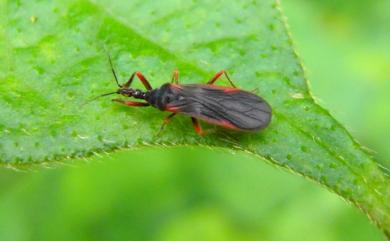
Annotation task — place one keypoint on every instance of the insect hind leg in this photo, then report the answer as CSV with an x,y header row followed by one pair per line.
x,y
218,75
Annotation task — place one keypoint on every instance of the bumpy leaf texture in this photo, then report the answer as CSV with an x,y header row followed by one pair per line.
x,y
53,59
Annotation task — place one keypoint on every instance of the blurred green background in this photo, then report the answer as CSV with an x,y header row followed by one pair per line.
x,y
199,194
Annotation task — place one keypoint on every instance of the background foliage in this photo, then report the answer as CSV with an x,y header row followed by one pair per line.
x,y
187,200
178,194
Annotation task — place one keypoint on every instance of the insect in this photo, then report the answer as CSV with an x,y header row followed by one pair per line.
x,y
228,107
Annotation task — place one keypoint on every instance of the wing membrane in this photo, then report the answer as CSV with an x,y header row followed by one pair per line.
x,y
228,107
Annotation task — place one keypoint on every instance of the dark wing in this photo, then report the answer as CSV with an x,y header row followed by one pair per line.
x,y
228,107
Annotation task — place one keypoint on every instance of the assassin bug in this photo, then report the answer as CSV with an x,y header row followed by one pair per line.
x,y
228,107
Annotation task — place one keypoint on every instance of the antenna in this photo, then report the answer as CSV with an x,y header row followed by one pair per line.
x,y
112,67
94,98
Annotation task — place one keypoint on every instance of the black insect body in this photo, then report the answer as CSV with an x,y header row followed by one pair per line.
x,y
229,107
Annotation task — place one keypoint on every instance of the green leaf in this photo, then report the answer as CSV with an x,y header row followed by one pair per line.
x,y
52,61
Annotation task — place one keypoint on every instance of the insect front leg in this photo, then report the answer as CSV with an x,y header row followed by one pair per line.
x,y
131,103
175,77
141,77
218,75
197,127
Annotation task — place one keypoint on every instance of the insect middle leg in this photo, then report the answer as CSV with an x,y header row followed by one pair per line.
x,y
141,77
166,121
175,77
197,127
218,75
131,103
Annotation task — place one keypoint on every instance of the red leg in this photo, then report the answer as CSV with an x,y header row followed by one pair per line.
x,y
131,103
197,127
218,75
175,77
140,76
167,119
